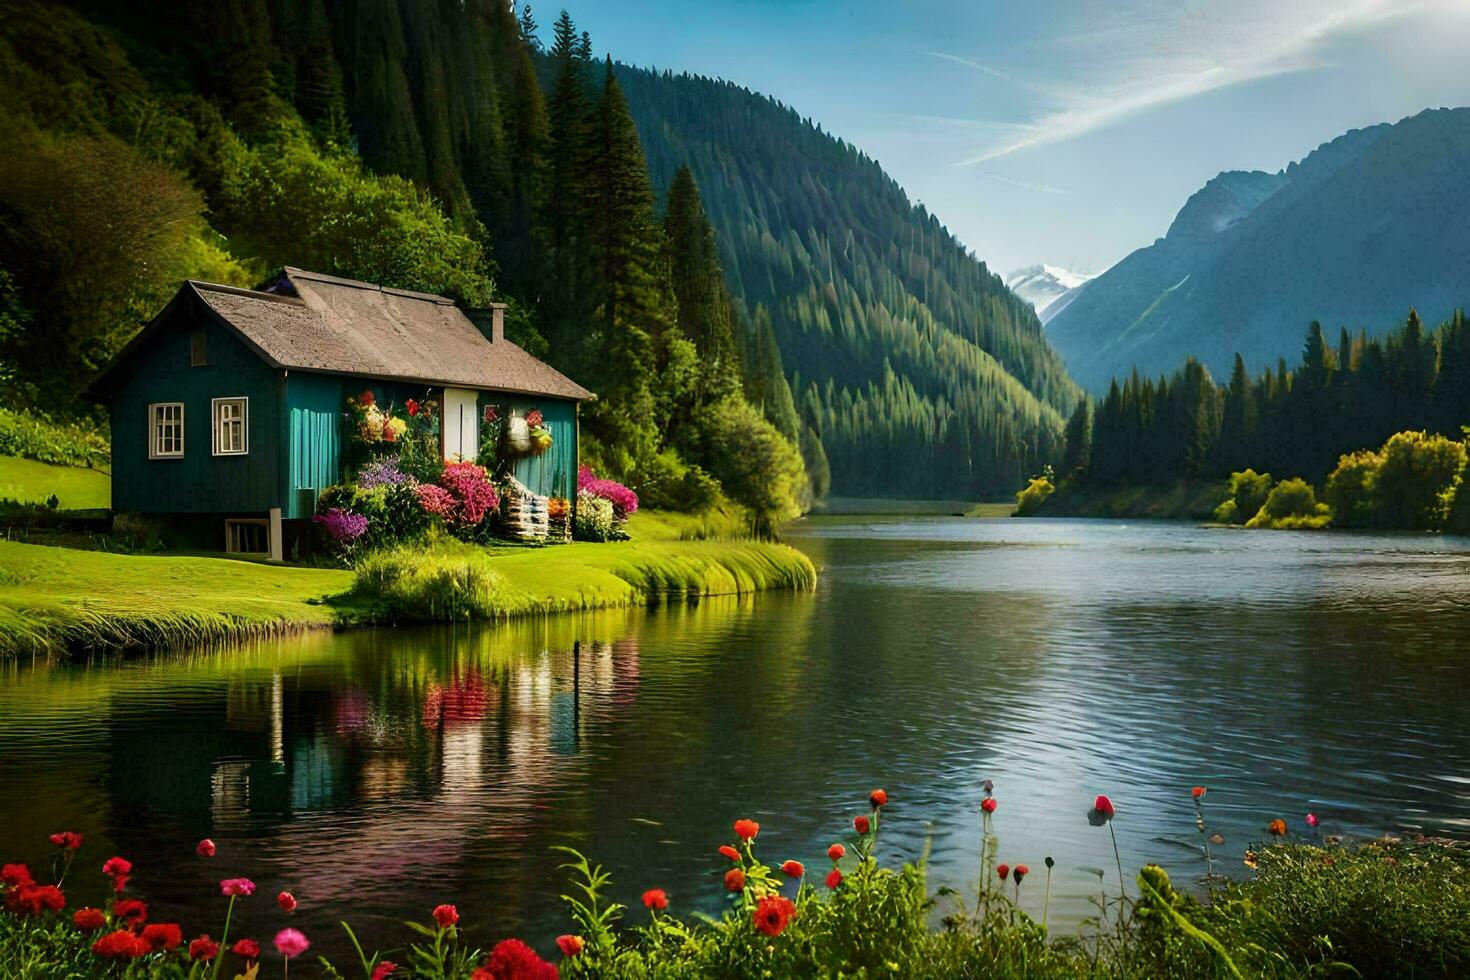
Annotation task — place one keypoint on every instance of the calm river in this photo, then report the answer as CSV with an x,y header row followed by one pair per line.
x,y
377,773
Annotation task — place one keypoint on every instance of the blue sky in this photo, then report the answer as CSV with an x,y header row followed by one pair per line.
x,y
1066,132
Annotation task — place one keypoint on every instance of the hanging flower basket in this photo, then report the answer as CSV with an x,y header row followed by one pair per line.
x,y
527,435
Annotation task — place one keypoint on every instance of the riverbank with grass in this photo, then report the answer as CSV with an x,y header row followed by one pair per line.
x,y
54,599
1385,908
27,481
1179,501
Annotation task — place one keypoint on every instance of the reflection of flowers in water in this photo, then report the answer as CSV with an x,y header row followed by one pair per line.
x,y
625,670
463,700
352,710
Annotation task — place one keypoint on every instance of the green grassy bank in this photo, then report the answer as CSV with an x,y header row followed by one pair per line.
x,y
59,599
1183,500
32,482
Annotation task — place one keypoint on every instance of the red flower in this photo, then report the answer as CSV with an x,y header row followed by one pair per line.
x,y
734,880
161,936
35,899
131,910
988,804
286,901
747,829
205,848
1020,871
836,852
534,418
120,945
236,886
729,852
384,969
1197,792
1104,806
569,945
878,797
512,959
772,914
491,414
89,919
68,840
412,407
655,899
248,948
1004,870
119,869
793,869
860,824
16,875
203,948
834,878
366,398
446,915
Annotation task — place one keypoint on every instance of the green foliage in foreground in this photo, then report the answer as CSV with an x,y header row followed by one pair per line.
x,y
1029,500
1292,505
1376,910
75,487
30,436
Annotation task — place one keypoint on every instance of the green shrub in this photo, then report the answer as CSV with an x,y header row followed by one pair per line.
x,y
1029,500
594,519
1417,480
32,436
393,511
1248,491
1350,488
1292,505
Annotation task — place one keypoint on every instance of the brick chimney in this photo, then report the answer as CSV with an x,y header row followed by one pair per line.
x,y
489,320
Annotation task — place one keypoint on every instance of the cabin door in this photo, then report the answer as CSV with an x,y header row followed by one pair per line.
x,y
461,424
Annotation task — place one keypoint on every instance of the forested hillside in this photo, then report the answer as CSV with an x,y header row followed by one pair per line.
x,y
450,147
1359,230
923,374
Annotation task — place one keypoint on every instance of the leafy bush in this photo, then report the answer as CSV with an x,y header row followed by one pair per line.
x,y
1029,500
756,465
593,520
1292,505
1351,486
1417,480
1248,491
33,436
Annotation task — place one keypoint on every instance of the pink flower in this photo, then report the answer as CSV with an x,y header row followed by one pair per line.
x,y
384,969
286,901
237,886
205,848
291,942
1312,820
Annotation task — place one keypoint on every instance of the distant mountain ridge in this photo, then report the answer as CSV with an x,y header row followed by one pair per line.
x,y
1048,288
1362,228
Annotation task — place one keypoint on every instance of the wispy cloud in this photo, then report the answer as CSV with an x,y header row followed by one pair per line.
x,y
1156,52
1025,185
974,65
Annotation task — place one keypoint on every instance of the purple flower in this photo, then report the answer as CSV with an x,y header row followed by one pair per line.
x,y
382,472
342,527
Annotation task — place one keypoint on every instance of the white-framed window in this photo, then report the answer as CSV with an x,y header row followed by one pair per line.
x,y
231,431
166,430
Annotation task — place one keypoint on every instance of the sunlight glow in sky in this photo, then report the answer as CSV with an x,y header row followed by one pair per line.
x,y
1064,132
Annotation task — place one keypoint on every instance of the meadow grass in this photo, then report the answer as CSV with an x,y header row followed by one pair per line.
x,y
77,487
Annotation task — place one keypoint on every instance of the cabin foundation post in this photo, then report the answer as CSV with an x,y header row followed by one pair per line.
x,y
277,545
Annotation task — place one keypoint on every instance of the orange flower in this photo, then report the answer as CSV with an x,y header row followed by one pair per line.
x,y
569,945
1277,827
734,880
747,829
793,869
655,899
729,852
772,913
836,852
878,798
1197,792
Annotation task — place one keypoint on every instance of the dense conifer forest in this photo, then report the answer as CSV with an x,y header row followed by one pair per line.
x,y
755,302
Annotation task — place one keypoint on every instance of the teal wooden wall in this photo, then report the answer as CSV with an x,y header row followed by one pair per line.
x,y
315,403
199,482
554,472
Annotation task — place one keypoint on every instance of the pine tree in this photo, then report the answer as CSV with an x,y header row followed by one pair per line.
x,y
526,24
1078,441
705,308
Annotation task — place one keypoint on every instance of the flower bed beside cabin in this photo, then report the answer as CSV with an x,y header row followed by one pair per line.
x,y
402,488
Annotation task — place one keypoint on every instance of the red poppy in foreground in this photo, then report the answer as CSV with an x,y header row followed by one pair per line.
x,y
35,899
120,945
860,824
729,852
16,875
162,936
89,919
747,829
1197,792
384,969
569,945
446,915
286,901
1277,827
1104,806
132,910
878,798
734,880
237,886
836,852
834,878
773,913
68,840
988,804
1004,870
205,848
203,948
248,948
512,959
1020,871
793,869
655,899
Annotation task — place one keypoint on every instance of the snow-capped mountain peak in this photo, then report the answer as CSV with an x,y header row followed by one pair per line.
x,y
1048,288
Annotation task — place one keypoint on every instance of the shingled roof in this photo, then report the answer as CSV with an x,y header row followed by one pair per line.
x,y
314,322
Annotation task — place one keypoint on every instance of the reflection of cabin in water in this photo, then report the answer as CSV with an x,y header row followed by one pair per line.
x,y
229,404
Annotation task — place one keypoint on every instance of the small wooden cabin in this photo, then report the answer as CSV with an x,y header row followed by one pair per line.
x,y
230,404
